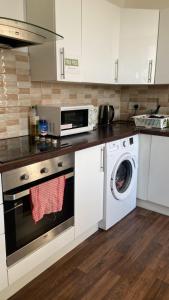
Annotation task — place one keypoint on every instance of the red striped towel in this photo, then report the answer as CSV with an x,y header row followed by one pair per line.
x,y
47,197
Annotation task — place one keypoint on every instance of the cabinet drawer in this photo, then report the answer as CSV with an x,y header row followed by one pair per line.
x,y
3,268
1,219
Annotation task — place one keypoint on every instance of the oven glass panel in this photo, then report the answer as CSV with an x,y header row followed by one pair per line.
x,y
74,119
20,228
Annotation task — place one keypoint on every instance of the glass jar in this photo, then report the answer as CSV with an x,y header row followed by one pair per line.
x,y
43,128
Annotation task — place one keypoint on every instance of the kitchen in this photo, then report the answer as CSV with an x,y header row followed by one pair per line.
x,y
87,68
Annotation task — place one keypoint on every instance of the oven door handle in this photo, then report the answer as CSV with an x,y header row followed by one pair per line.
x,y
13,197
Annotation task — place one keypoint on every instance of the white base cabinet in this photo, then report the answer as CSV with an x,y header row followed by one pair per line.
x,y
153,171
1,219
158,191
143,166
89,178
3,267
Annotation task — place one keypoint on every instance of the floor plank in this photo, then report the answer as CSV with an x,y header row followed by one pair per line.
x,y
130,261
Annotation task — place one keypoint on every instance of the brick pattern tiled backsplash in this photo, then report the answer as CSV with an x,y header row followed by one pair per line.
x,y
147,98
18,93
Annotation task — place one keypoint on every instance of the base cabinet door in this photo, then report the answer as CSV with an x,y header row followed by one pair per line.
x,y
3,268
158,191
89,178
143,166
1,219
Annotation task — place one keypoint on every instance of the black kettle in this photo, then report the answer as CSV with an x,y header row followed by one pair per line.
x,y
106,114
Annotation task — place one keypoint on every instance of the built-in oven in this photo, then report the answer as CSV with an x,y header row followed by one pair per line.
x,y
22,234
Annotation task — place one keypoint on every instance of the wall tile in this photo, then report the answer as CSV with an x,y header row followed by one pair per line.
x,y
147,97
18,93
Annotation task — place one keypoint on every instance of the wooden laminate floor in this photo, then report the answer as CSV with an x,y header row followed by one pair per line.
x,y
130,261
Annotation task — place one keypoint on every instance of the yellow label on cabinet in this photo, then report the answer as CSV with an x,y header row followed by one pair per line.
x,y
71,62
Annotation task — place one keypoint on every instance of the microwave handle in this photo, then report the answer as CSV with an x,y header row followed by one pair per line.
x,y
14,197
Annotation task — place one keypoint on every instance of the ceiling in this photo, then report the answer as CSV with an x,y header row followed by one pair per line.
x,y
142,3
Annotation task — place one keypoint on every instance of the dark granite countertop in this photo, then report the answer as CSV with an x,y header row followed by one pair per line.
x,y
18,152
154,131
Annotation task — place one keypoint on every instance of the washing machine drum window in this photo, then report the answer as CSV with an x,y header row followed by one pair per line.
x,y
122,177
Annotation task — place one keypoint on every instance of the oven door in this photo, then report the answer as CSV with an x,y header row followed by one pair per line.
x,y
23,235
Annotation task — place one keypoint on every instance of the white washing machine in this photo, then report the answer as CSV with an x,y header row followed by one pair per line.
x,y
120,181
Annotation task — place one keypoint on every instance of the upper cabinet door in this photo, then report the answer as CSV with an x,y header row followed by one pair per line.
x,y
12,9
100,41
59,60
138,46
68,24
162,68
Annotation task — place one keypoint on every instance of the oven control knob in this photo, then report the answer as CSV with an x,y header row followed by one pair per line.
x,y
24,177
44,171
124,144
60,164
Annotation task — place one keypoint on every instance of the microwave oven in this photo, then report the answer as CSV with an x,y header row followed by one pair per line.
x,y
67,120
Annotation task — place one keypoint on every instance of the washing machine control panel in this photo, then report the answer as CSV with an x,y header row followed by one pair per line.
x,y
123,144
128,142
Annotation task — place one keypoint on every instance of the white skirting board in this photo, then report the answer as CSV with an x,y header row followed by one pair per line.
x,y
12,289
153,206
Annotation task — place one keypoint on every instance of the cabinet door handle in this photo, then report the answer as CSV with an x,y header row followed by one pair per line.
x,y
102,160
150,69
62,62
116,70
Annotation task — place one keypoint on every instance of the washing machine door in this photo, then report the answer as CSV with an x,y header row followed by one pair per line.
x,y
123,176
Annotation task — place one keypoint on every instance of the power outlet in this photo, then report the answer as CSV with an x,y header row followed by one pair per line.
x,y
133,105
136,106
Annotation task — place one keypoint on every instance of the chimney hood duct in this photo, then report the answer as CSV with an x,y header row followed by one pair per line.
x,y
17,34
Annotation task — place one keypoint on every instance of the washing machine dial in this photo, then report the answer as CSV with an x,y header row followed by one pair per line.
x,y
124,144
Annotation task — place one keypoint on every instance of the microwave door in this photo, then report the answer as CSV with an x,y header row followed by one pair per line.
x,y
73,119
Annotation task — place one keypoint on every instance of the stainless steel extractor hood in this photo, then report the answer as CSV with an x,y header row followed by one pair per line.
x,y
16,34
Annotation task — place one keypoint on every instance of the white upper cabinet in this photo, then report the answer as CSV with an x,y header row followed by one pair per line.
x,y
12,9
138,46
162,68
68,23
100,41
59,60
